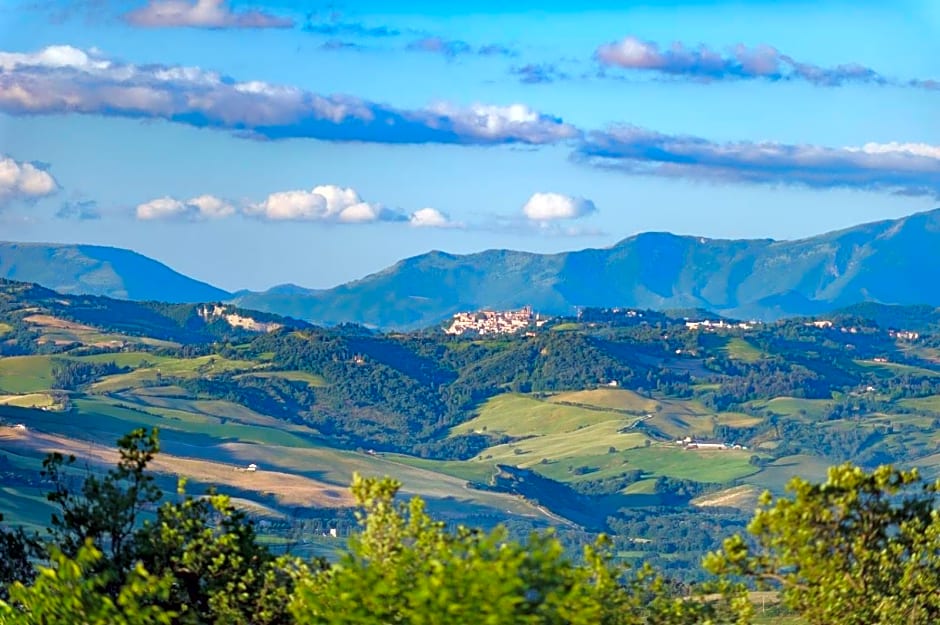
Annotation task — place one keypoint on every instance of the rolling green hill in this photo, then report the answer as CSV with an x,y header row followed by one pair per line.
x,y
633,422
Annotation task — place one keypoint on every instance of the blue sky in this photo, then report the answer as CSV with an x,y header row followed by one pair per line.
x,y
251,144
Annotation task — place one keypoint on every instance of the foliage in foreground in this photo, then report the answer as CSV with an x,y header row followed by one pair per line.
x,y
859,549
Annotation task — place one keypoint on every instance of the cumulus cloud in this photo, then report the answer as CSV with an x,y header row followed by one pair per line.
x,y
24,181
65,80
326,203
195,209
738,62
201,14
455,47
902,168
431,218
545,207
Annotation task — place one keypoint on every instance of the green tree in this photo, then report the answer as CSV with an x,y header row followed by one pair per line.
x,y
106,539
106,510
220,572
75,590
860,549
17,552
406,568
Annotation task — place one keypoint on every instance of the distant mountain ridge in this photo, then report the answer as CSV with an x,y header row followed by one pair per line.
x,y
98,270
888,262
891,262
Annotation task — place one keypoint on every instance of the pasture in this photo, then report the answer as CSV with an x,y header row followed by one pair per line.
x,y
739,349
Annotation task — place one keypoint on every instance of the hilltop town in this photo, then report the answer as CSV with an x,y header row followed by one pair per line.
x,y
494,321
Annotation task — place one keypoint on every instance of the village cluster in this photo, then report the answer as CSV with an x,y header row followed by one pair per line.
x,y
690,444
494,321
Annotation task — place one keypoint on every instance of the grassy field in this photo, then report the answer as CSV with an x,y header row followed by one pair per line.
x,y
158,367
61,331
520,415
719,466
926,404
25,374
590,435
742,497
740,349
804,409
776,475
206,440
5,328
129,414
892,369
608,398
29,400
311,379
286,489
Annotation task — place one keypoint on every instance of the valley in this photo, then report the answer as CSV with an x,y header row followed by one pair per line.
x,y
638,424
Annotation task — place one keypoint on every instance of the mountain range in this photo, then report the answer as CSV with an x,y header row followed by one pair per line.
x,y
98,270
892,261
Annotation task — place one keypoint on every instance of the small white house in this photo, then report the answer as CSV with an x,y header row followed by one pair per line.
x,y
333,533
252,468
20,426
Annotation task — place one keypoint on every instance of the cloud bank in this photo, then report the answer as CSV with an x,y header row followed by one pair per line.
x,y
24,181
900,168
63,79
324,204
739,62
545,207
201,14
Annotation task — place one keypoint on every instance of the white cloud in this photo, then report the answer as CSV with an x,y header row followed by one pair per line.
x,y
323,203
20,180
61,80
202,207
430,218
212,207
552,206
52,57
201,14
894,147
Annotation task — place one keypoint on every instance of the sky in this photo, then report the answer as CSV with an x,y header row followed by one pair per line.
x,y
250,144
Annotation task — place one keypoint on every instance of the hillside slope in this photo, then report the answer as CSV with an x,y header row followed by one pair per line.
x,y
892,262
96,270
